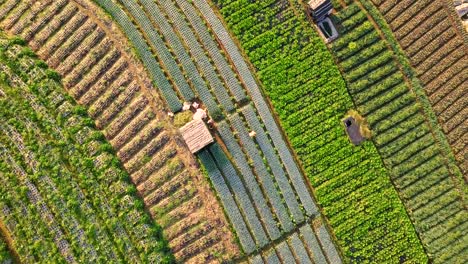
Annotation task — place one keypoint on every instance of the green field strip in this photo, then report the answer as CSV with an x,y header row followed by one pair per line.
x,y
279,64
437,56
67,220
407,143
94,221
240,194
227,201
251,182
16,216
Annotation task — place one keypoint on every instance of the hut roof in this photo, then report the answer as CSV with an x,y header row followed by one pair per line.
x,y
352,129
314,4
196,135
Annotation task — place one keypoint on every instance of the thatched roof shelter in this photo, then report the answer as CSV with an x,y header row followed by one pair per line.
x,y
196,135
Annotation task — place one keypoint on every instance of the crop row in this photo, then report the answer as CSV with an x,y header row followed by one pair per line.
x,y
117,98
311,243
202,45
99,157
88,224
232,194
148,16
227,200
311,99
250,180
203,62
264,112
209,44
253,186
404,139
434,44
147,57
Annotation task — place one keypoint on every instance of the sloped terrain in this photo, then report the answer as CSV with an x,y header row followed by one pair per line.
x,y
310,97
100,75
404,137
60,174
94,168
432,38
256,178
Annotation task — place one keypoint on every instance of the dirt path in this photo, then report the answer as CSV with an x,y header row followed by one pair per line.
x,y
5,234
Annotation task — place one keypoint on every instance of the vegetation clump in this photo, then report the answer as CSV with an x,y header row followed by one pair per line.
x,y
182,118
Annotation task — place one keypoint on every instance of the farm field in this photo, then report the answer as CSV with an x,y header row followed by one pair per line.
x,y
60,174
258,183
428,188
351,184
100,162
102,77
302,246
433,38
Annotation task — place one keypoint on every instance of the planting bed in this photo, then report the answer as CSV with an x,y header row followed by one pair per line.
x,y
99,73
403,136
435,42
310,97
59,174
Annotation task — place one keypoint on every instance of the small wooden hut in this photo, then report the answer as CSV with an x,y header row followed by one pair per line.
x,y
196,135
320,9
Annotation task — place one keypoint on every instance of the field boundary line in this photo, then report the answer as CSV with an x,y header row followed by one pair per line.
x,y
5,235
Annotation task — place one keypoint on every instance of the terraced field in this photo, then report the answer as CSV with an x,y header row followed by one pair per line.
x,y
403,136
101,76
262,189
310,97
277,182
58,173
432,37
93,94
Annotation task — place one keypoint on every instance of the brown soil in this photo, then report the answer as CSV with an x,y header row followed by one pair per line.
x,y
5,235
210,210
